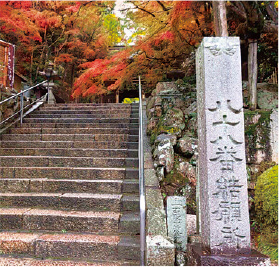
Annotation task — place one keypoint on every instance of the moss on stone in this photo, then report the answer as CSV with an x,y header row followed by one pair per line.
x,y
257,134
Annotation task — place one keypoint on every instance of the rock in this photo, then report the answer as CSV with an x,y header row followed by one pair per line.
x,y
187,145
274,135
150,113
158,101
187,170
267,96
160,173
159,251
165,88
174,120
150,103
158,111
192,108
163,137
151,125
191,224
164,154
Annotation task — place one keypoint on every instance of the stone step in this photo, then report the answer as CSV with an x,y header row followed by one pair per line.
x,y
40,161
73,131
93,107
70,137
8,260
80,116
69,144
89,110
81,125
69,173
79,120
130,223
84,116
70,246
130,203
85,111
70,152
130,186
65,201
44,185
60,220
106,105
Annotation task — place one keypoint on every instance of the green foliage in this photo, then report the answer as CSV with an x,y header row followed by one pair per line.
x,y
266,202
130,100
267,248
113,26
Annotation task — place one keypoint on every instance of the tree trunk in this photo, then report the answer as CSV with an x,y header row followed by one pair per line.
x,y
117,96
252,72
220,18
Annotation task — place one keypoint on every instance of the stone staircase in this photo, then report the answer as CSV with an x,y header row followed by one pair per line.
x,y
69,187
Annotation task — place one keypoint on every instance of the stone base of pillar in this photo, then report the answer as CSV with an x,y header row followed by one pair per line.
x,y
197,256
51,98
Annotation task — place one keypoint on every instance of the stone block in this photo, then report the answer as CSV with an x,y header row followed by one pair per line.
x,y
197,256
160,251
151,178
177,221
225,225
156,222
274,135
154,199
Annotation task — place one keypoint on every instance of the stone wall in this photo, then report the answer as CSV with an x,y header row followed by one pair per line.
x,y
172,127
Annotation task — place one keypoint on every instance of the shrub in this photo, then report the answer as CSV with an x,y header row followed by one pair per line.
x,y
266,202
130,100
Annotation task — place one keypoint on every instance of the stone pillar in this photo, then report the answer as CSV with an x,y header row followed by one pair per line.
x,y
51,97
222,166
225,227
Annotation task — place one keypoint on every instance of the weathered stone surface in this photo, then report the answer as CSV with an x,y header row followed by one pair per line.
x,y
164,155
160,251
156,222
165,88
177,221
257,136
160,173
187,145
151,125
222,166
174,118
151,178
187,170
274,135
164,137
267,95
191,224
197,256
154,199
77,246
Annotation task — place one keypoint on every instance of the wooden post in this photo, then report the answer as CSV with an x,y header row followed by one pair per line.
x,y
220,18
117,96
252,72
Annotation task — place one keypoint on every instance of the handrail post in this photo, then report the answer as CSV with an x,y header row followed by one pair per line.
x,y
141,182
21,107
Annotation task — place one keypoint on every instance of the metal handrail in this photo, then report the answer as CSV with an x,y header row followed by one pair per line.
x,y
141,182
21,110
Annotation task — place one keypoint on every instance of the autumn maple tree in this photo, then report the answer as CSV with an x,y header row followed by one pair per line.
x,y
70,33
165,33
78,37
